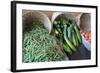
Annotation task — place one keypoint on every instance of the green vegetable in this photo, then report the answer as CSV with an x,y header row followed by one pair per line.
x,y
74,38
67,41
67,48
69,33
78,34
40,46
70,29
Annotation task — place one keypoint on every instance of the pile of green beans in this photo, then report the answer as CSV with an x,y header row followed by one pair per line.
x,y
40,46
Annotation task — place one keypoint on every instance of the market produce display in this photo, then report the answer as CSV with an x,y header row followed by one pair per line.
x,y
40,46
60,39
68,33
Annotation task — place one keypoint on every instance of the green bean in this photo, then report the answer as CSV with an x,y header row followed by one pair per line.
x,y
40,46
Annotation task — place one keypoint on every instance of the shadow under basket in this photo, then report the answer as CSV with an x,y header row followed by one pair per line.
x,y
81,54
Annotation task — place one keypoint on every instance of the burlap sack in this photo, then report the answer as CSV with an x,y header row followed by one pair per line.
x,y
70,15
85,22
35,16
